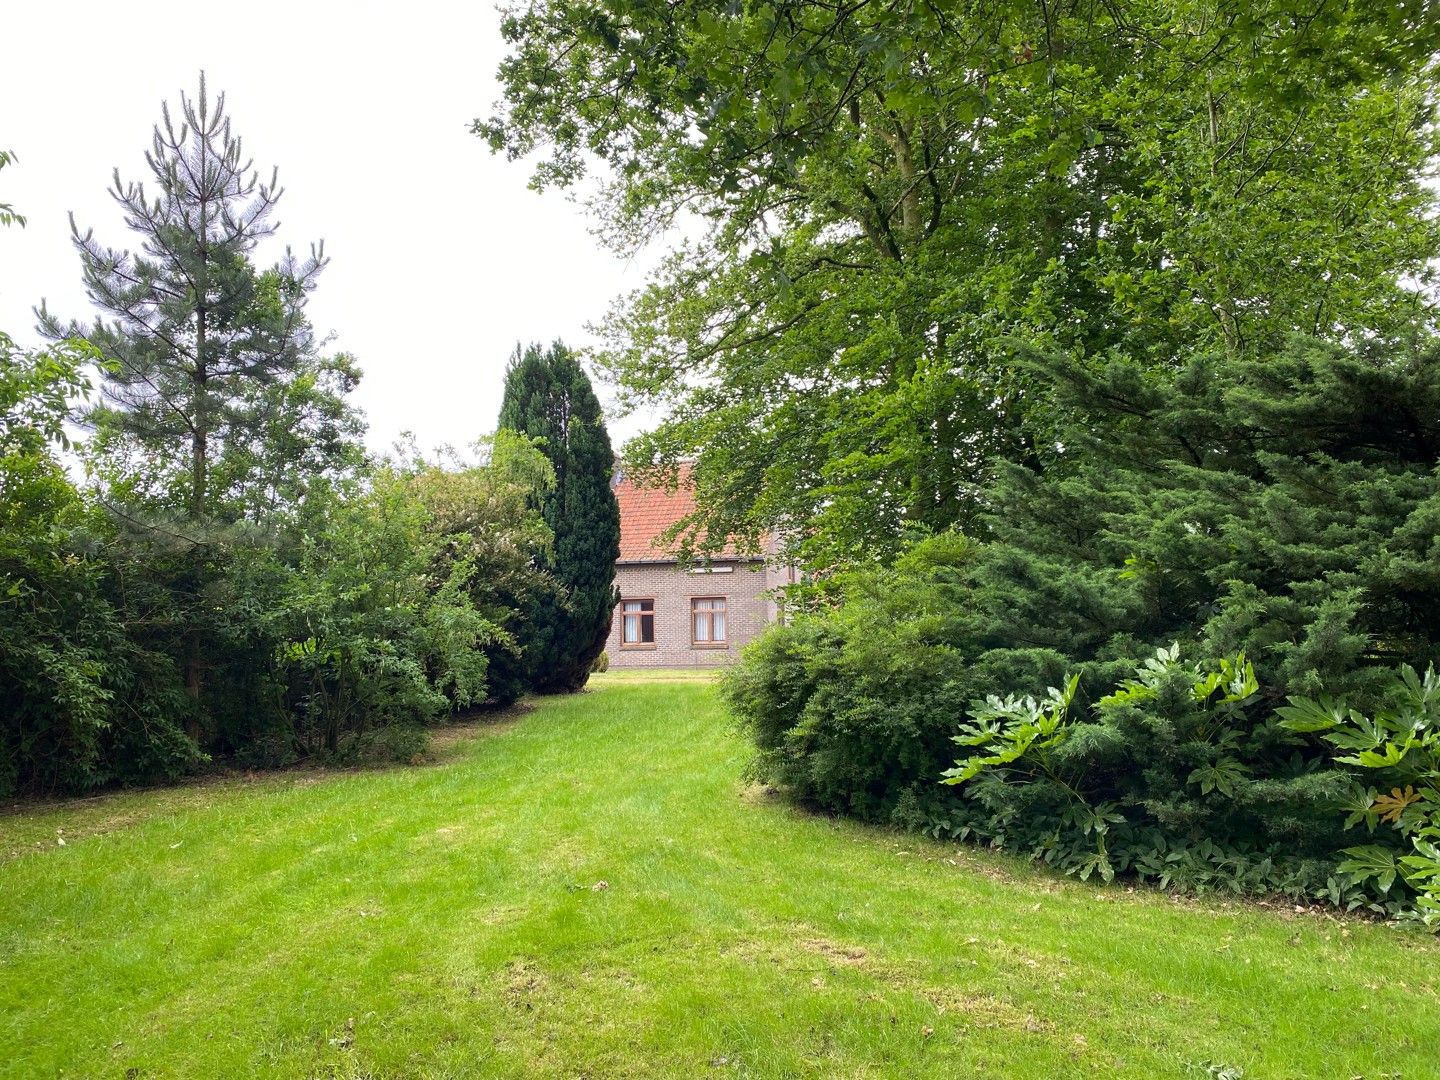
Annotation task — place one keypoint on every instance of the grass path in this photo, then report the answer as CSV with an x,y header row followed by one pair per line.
x,y
448,921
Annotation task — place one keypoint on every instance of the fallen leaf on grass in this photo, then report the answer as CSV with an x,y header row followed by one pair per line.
x,y
347,1039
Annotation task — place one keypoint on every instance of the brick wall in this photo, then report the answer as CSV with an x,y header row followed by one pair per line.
x,y
747,611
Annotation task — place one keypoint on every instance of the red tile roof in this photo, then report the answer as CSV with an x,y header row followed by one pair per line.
x,y
645,514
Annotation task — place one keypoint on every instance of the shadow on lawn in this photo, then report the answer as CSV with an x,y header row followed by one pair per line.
x,y
108,809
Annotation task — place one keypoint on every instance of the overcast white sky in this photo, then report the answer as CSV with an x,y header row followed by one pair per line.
x,y
441,257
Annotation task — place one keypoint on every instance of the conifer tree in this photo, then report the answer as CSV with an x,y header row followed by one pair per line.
x,y
8,216
1286,506
549,396
196,331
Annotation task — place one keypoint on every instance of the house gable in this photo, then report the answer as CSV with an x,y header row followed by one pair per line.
x,y
647,513
680,616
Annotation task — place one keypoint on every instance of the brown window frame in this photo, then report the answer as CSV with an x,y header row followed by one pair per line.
x,y
724,609
641,616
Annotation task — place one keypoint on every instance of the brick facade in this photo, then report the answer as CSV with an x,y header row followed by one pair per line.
x,y
742,584
647,570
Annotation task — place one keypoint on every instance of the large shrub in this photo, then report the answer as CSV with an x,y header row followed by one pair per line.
x,y
136,649
548,398
1286,509
487,516
82,701
853,707
1175,776
396,596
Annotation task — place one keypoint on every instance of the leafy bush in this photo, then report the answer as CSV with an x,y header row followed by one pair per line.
x,y
1401,741
1177,777
484,515
1278,512
1282,506
852,708
82,702
134,647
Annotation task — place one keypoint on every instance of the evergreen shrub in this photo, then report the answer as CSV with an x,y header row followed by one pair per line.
x,y
1280,516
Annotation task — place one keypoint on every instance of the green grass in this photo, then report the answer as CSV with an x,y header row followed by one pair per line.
x,y
447,921
690,674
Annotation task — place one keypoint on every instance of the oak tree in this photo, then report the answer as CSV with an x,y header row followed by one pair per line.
x,y
885,200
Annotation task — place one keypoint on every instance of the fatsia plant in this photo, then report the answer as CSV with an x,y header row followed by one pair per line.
x,y
1402,742
1174,770
1007,729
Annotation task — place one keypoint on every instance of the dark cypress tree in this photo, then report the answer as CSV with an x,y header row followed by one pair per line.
x,y
549,396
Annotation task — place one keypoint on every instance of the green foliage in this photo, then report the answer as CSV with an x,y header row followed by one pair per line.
x,y
8,216
1011,728
36,392
206,357
896,195
852,708
400,594
548,398
1265,507
1177,777
488,517
1283,507
239,582
82,701
353,633
1133,295
363,607
1400,739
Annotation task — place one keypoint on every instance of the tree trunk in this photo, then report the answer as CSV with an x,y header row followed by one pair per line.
x,y
199,440
200,433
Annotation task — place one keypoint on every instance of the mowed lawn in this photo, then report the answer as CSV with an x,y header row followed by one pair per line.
x,y
592,890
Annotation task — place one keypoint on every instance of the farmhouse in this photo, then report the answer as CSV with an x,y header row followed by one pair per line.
x,y
674,616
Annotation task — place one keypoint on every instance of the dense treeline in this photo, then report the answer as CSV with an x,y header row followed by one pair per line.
x,y
1083,354
237,579
889,202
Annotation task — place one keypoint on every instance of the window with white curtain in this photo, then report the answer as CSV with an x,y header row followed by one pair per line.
x,y
637,622
707,620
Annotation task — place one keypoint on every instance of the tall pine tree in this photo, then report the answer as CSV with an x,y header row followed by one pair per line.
x,y
196,332
210,366
549,396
